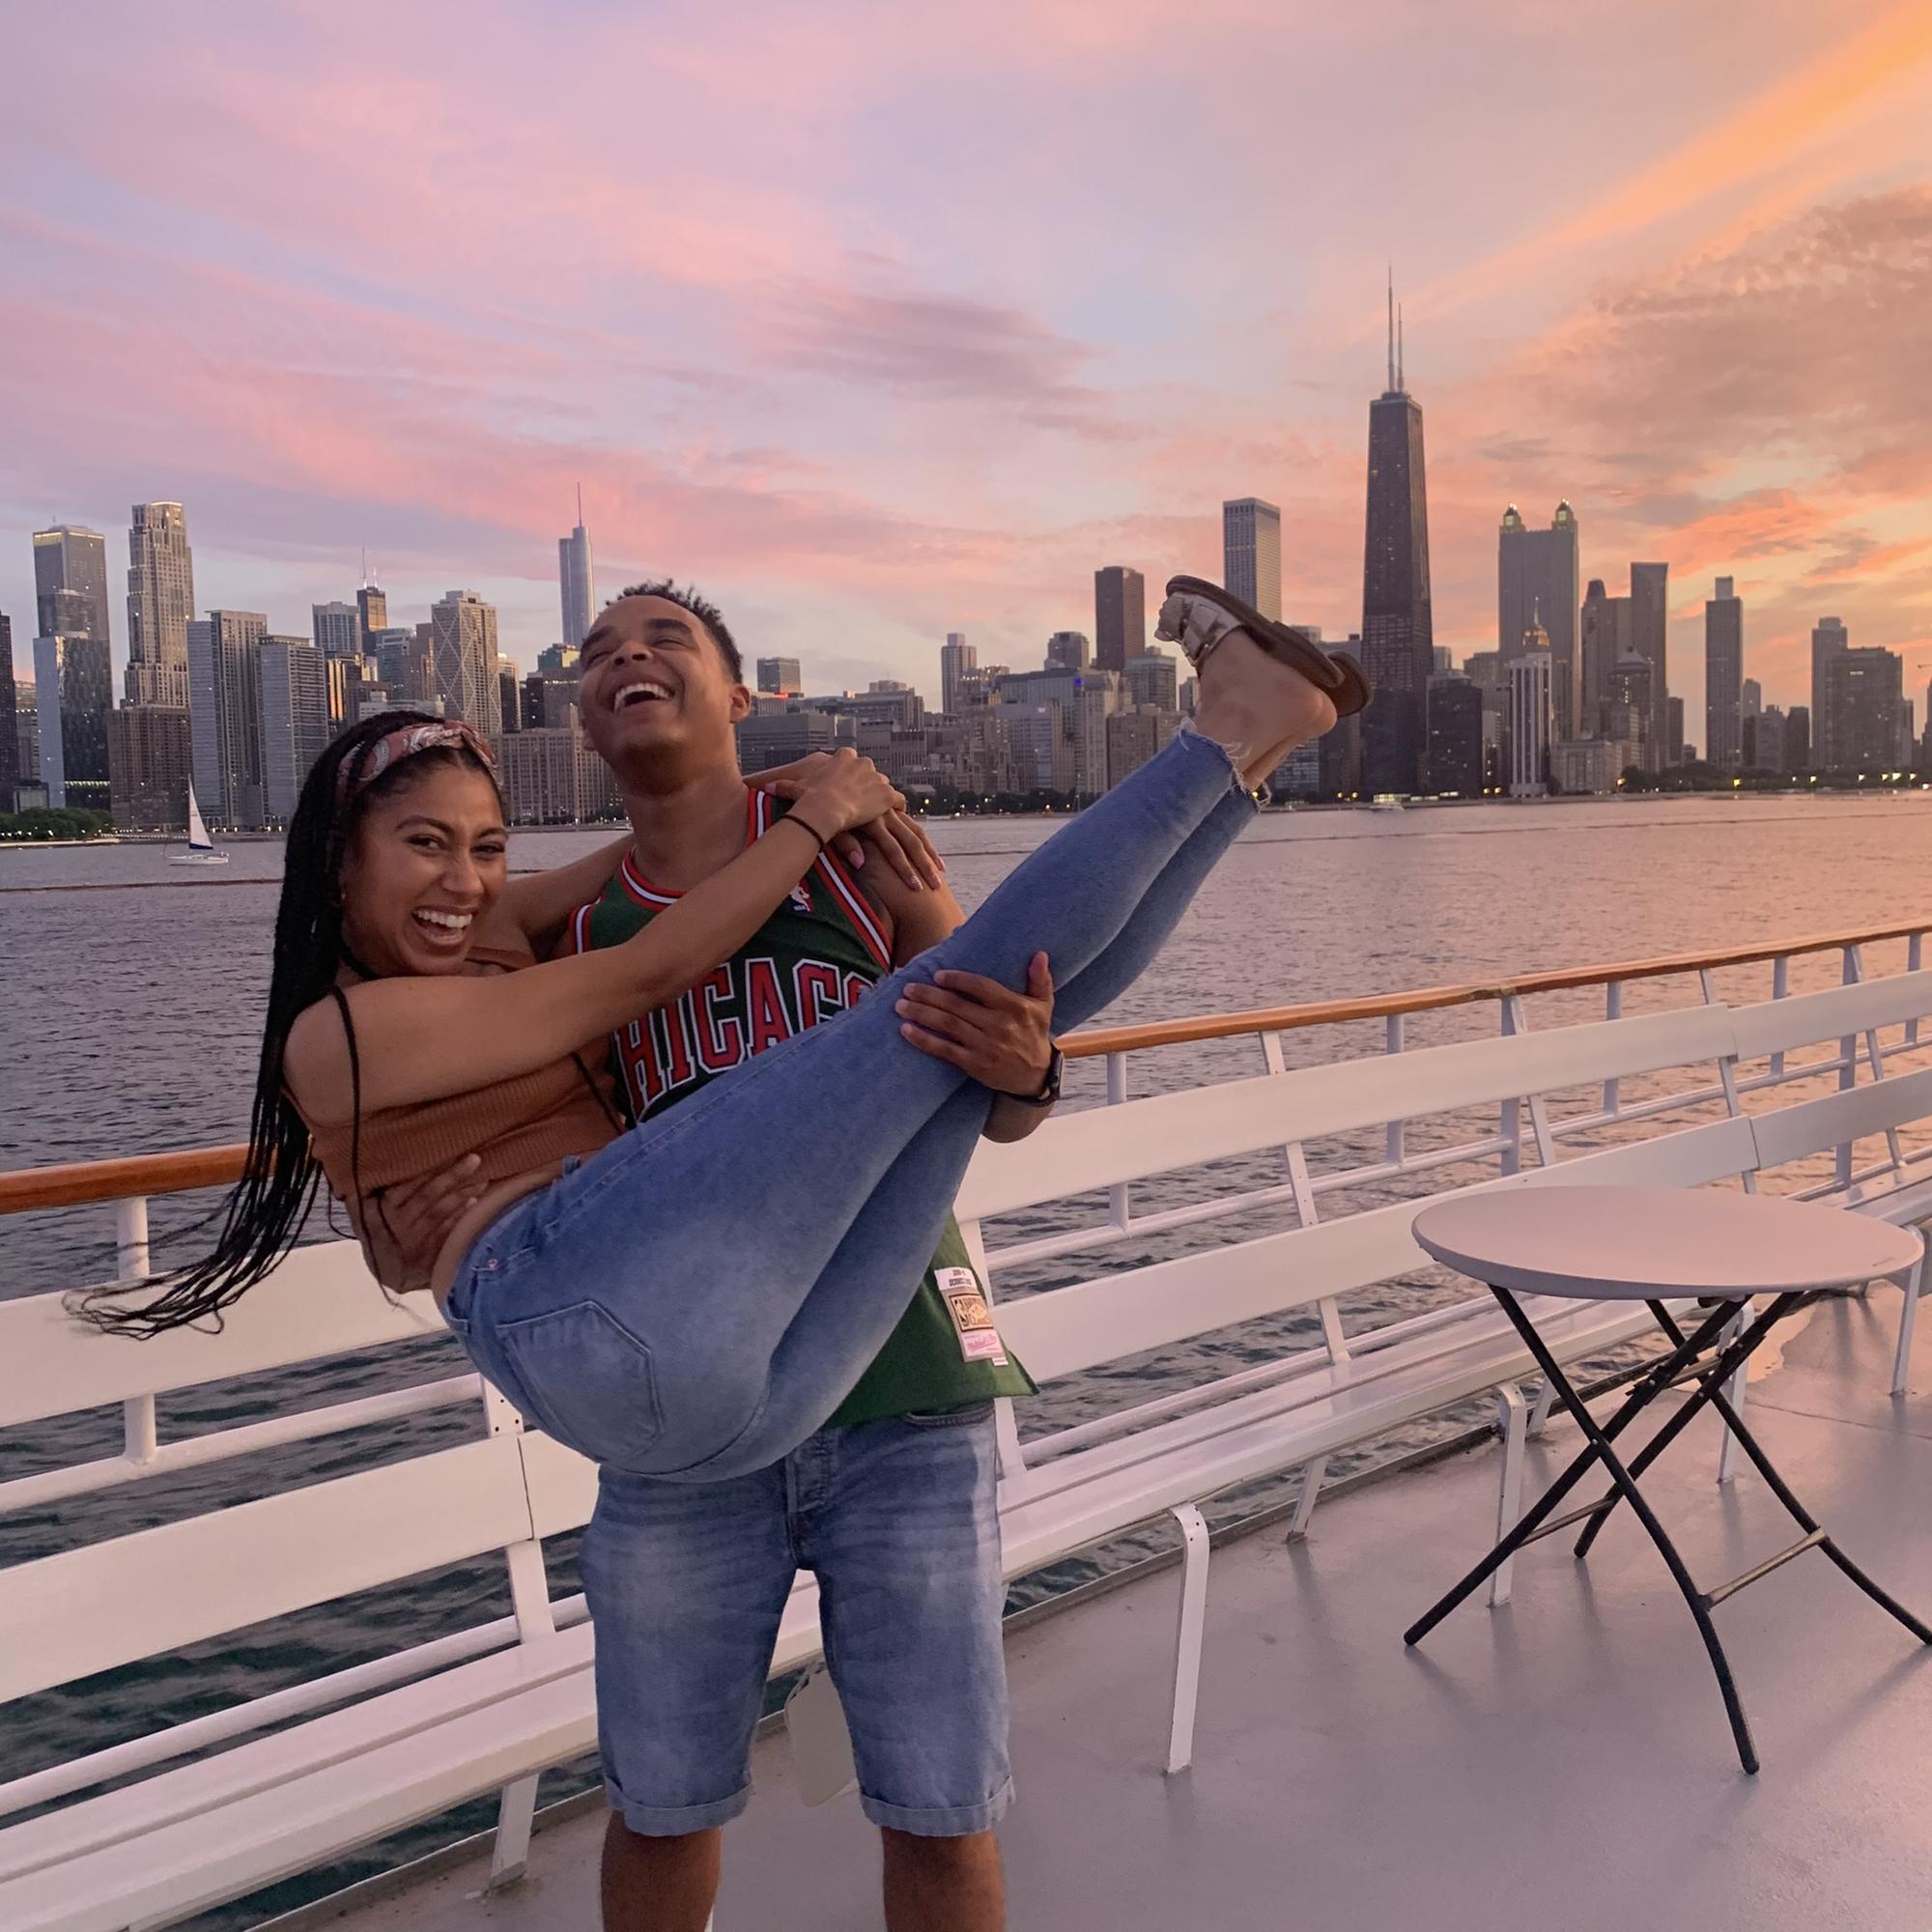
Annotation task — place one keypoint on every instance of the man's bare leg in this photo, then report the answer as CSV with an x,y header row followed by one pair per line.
x,y
659,1885
944,1885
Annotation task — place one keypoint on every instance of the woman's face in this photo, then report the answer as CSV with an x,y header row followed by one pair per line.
x,y
427,862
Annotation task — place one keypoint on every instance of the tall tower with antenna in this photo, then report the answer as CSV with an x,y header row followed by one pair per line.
x,y
1398,627
372,608
575,581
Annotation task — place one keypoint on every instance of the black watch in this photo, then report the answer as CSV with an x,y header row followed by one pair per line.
x,y
1049,1088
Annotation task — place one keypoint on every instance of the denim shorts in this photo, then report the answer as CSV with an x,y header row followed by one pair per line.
x,y
687,1582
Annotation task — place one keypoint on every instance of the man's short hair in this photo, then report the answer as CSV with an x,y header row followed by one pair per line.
x,y
707,613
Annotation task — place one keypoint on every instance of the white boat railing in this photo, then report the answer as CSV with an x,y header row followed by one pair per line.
x,y
130,1183
1532,1124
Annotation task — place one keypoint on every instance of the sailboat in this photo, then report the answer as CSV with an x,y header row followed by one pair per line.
x,y
201,848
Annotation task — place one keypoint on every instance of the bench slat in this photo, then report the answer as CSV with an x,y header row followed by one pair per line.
x,y
1812,1127
1106,1145
66,1616
321,1301
1806,1019
1126,1314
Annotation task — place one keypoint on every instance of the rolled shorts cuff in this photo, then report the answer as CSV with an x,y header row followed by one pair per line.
x,y
958,1821
678,1821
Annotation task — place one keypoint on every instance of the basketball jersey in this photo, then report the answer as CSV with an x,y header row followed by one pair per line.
x,y
814,957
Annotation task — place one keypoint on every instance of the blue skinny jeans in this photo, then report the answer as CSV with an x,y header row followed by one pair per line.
x,y
694,1300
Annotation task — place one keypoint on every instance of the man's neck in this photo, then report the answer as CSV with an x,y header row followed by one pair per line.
x,y
682,834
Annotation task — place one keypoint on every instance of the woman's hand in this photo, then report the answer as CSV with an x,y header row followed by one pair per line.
x,y
845,792
898,839
1002,1038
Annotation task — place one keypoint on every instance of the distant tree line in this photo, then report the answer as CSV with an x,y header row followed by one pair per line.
x,y
41,822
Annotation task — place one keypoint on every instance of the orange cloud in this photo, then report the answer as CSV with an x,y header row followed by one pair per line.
x,y
1823,96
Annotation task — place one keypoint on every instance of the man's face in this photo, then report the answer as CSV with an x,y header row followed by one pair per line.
x,y
654,692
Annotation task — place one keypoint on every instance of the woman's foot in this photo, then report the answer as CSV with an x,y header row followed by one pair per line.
x,y
1256,706
1265,686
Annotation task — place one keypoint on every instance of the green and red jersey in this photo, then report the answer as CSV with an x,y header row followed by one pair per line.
x,y
814,956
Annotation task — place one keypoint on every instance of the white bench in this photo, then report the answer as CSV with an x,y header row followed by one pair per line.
x,y
487,1710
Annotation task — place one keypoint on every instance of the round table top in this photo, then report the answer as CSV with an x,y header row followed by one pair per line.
x,y
1639,1243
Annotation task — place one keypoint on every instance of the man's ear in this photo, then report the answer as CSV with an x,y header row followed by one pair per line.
x,y
740,703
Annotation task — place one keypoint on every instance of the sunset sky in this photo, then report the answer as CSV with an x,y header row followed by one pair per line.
x,y
880,322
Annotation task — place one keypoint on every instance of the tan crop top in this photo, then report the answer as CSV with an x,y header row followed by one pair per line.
x,y
516,1125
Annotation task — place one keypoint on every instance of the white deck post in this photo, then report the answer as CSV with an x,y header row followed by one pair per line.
x,y
1727,1456
1189,1628
140,1434
1539,1410
1119,1210
1512,1419
1908,1317
1848,1073
1312,1474
1394,1133
530,1599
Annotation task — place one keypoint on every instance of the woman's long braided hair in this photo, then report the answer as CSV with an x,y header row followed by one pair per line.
x,y
268,1205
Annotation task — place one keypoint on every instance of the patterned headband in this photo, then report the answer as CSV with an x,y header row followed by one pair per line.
x,y
357,773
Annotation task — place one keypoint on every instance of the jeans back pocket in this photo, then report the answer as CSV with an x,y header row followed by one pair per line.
x,y
585,1378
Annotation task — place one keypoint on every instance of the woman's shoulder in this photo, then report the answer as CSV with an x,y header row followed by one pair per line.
x,y
315,1067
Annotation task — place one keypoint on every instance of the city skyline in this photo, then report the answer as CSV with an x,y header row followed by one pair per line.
x,y
864,387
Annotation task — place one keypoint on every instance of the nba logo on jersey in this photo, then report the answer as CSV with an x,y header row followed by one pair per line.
x,y
801,898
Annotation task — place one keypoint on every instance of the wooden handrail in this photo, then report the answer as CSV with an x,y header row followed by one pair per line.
x,y
78,1183
1427,999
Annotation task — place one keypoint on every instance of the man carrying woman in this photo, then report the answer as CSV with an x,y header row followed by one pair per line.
x,y
695,1301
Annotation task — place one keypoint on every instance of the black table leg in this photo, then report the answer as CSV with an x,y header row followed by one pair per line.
x,y
1711,1391
1532,1524
1710,1380
1626,1485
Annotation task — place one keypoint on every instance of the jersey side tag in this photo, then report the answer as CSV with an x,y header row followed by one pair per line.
x,y
971,1316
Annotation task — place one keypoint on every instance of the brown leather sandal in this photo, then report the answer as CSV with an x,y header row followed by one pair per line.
x,y
1333,673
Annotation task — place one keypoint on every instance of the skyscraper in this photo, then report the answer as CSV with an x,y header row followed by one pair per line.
x,y
1867,700
1398,626
1604,640
295,720
373,607
1529,678
1251,554
10,749
1154,678
1649,595
338,629
1753,697
574,578
1454,736
1070,650
1724,677
1830,640
150,754
462,659
957,657
224,681
780,677
1628,712
160,601
1537,582
68,557
1119,616
74,683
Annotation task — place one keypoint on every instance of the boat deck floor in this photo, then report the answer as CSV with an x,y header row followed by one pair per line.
x,y
1564,1760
